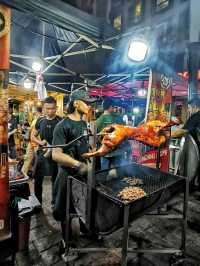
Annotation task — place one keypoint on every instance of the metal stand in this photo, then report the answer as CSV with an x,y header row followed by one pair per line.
x,y
71,253
180,253
125,236
90,179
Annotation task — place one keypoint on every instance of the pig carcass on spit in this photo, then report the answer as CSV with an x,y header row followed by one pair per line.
x,y
152,133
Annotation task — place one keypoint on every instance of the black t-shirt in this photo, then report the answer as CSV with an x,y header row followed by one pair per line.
x,y
45,127
12,124
68,130
192,124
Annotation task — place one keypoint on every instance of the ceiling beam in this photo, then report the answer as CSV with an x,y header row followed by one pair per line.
x,y
61,55
20,65
61,89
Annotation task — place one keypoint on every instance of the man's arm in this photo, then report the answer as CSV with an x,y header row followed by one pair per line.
x,y
179,132
35,138
63,159
12,132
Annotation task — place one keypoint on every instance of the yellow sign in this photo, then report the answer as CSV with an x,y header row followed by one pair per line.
x,y
4,21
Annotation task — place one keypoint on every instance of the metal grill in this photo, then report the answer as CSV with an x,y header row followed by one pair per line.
x,y
150,184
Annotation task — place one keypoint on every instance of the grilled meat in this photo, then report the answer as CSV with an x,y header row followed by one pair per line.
x,y
152,133
131,193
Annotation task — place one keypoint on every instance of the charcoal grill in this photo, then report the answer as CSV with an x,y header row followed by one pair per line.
x,y
102,211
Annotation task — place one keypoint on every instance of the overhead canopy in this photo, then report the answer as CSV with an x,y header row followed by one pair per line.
x,y
65,16
70,43
68,57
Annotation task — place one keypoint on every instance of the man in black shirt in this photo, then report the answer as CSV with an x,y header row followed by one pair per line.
x,y
193,122
44,127
192,125
70,159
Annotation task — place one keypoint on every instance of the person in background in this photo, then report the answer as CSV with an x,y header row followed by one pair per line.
x,y
192,127
32,146
12,129
122,152
192,124
107,118
69,159
23,115
117,116
43,135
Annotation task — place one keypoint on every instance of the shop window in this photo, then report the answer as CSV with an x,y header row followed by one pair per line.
x,y
160,5
136,11
117,22
182,31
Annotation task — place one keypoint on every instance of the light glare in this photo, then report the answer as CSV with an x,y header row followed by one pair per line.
x,y
136,110
137,51
37,66
27,84
142,92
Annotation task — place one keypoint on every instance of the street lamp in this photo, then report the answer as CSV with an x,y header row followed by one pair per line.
x,y
37,65
28,83
138,50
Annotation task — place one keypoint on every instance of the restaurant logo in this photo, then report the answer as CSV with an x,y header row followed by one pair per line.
x,y
4,22
165,82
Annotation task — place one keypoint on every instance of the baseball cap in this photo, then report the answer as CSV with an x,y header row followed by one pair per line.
x,y
81,95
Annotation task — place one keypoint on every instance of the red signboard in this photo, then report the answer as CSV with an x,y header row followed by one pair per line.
x,y
158,108
149,158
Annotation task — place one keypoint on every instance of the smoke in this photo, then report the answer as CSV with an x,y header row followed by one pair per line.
x,y
165,56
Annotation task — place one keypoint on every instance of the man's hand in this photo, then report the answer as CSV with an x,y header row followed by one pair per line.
x,y
82,169
43,142
12,132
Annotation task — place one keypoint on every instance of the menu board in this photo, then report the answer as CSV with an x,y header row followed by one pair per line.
x,y
4,169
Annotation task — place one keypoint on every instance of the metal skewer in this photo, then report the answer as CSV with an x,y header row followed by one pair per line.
x,y
69,143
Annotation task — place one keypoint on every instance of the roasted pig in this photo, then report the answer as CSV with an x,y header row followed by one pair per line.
x,y
152,133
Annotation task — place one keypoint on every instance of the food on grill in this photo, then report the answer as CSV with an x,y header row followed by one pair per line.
x,y
131,193
151,133
133,181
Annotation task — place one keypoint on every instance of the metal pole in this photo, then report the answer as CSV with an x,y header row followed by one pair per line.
x,y
193,66
84,51
158,158
125,236
67,216
61,89
60,56
90,180
61,67
92,42
23,56
43,38
20,65
185,210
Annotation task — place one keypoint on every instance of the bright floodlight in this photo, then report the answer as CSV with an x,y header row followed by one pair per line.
x,y
137,50
27,84
37,66
142,92
136,110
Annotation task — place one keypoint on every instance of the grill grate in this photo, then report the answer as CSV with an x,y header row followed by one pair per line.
x,y
150,184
